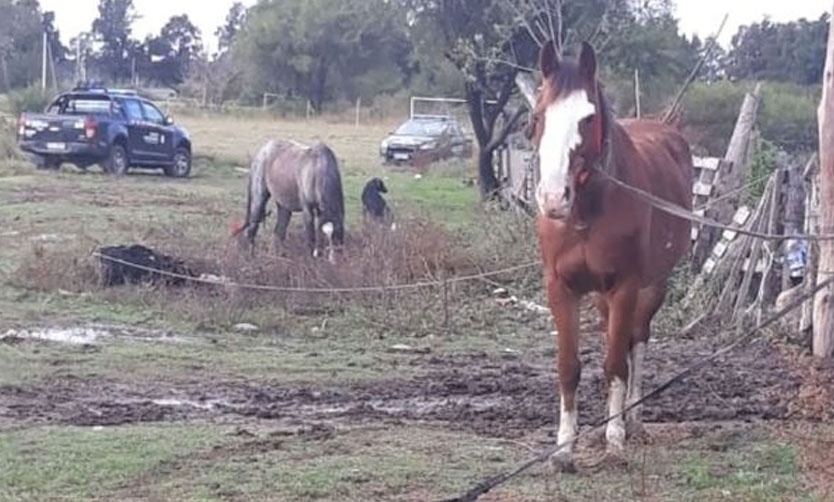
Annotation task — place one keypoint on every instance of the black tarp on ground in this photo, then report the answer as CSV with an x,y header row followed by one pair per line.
x,y
129,265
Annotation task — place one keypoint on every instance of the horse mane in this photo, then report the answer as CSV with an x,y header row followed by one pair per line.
x,y
606,113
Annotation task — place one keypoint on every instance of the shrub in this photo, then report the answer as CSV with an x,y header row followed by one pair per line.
x,y
786,116
30,99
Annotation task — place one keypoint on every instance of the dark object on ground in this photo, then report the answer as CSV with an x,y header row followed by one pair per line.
x,y
131,264
374,205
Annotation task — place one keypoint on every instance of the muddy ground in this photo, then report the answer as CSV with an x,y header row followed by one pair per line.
x,y
499,396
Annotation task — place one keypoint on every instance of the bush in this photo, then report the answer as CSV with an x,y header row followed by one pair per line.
x,y
710,112
786,117
8,143
30,99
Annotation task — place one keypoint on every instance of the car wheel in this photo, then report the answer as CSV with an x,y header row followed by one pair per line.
x,y
116,162
181,167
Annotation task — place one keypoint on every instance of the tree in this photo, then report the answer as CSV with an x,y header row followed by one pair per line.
x,y
168,57
823,341
227,33
113,29
21,35
320,49
784,52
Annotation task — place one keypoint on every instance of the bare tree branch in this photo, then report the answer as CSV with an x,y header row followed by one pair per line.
x,y
673,108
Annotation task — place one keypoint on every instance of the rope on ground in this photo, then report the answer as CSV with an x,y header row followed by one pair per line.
x,y
291,289
488,484
681,212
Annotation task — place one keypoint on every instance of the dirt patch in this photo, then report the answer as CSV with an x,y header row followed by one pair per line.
x,y
497,396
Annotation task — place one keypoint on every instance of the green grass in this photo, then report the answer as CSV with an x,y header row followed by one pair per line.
x,y
199,462
67,464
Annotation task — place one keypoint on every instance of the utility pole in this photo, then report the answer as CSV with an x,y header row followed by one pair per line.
x,y
43,62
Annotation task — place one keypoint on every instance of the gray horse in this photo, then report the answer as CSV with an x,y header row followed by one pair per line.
x,y
299,178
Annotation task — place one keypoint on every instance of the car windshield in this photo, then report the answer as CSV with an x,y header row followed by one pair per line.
x,y
422,128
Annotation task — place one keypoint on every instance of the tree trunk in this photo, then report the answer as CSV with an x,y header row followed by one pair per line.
x,y
4,69
823,342
487,182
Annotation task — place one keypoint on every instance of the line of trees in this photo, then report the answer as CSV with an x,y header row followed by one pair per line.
x,y
325,51
329,53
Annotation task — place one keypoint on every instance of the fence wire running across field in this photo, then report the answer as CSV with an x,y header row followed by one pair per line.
x,y
324,290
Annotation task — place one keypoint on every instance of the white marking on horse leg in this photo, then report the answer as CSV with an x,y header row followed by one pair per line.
x,y
615,429
567,425
560,136
327,228
316,253
635,381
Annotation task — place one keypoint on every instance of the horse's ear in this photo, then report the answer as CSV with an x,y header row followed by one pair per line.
x,y
587,62
548,59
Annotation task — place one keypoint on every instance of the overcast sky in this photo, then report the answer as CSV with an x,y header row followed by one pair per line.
x,y
699,17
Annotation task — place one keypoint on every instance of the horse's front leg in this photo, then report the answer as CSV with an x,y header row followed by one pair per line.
x,y
564,305
621,304
310,230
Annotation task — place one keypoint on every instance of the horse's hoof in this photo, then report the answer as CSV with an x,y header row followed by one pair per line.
x,y
562,461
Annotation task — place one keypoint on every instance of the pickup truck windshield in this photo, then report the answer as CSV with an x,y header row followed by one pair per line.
x,y
81,106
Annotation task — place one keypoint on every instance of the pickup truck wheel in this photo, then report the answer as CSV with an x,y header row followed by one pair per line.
x,y
116,162
181,167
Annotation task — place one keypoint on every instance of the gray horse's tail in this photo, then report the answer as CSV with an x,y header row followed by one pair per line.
x,y
256,189
333,203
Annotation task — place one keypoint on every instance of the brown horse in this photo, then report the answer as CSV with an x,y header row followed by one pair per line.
x,y
599,238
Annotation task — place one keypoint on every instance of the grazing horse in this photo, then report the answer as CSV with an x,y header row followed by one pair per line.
x,y
374,206
598,238
299,178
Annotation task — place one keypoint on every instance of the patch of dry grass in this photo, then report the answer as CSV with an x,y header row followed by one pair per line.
x,y
419,251
232,140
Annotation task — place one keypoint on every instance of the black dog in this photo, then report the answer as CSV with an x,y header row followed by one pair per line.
x,y
374,205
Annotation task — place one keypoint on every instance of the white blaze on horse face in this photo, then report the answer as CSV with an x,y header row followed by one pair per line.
x,y
615,430
567,424
560,136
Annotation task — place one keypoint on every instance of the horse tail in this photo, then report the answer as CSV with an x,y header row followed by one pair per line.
x,y
256,189
333,200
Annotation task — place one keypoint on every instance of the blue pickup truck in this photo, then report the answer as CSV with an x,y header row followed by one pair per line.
x,y
117,129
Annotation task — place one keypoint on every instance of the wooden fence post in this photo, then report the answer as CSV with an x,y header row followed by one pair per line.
x,y
823,340
730,176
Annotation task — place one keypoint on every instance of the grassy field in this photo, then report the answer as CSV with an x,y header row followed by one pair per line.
x,y
156,393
